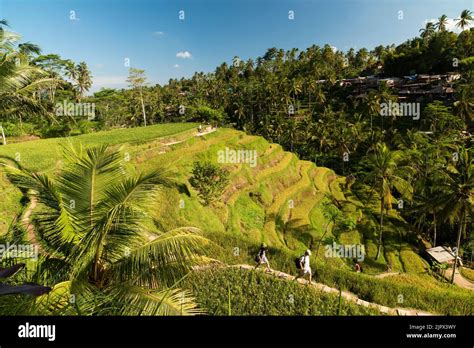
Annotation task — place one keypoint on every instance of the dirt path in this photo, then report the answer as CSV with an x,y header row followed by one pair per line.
x,y
206,131
27,225
459,280
324,288
387,274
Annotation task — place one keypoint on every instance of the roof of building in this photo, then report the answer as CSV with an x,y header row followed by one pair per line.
x,y
441,254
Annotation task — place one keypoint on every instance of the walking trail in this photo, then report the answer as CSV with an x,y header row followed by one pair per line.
x,y
459,280
197,134
387,274
28,226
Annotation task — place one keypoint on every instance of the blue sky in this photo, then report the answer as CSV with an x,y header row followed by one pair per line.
x,y
149,33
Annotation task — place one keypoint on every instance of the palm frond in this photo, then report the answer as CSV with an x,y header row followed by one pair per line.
x,y
58,226
166,259
141,301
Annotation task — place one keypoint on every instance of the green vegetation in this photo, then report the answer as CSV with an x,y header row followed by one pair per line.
x,y
92,224
209,180
254,202
468,273
330,168
254,293
44,154
418,291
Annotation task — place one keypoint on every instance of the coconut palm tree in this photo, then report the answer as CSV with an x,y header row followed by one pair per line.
x,y
428,30
92,220
385,176
456,199
464,104
385,96
372,103
442,22
428,163
464,19
19,80
81,77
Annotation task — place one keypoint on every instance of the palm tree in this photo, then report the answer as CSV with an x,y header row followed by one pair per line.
x,y
428,185
81,77
457,198
442,22
91,219
385,96
332,214
428,30
296,88
29,48
19,80
464,19
372,104
464,104
385,174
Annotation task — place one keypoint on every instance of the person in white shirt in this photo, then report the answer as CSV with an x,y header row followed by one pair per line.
x,y
305,268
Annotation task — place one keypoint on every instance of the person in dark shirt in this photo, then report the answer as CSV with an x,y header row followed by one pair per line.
x,y
262,259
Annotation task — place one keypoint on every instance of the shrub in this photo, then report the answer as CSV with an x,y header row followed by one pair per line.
x,y
86,126
16,129
209,180
207,114
56,130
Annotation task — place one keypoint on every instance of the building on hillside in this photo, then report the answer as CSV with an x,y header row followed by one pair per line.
x,y
441,254
391,81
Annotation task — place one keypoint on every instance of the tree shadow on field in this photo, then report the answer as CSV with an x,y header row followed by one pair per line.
x,y
301,232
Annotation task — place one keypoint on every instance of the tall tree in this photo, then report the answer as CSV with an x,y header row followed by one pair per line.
x,y
442,22
137,80
428,31
464,19
81,77
385,175
19,79
457,197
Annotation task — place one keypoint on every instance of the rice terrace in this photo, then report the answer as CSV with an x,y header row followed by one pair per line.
x,y
198,170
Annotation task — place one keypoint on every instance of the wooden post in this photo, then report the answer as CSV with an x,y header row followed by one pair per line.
x,y
4,140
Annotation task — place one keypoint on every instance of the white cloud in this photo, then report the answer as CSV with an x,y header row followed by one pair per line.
x,y
184,55
176,66
158,33
334,49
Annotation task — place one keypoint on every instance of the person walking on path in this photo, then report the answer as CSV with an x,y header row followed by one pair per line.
x,y
262,259
305,267
357,267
